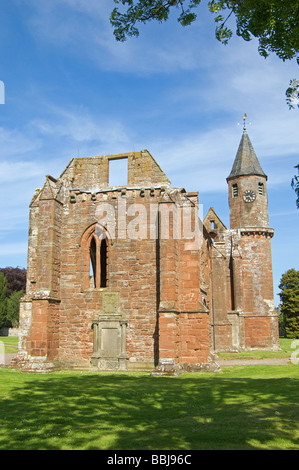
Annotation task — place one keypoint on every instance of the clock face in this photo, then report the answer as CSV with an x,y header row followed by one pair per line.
x,y
248,195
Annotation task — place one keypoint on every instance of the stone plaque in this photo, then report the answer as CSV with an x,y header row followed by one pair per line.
x,y
110,302
110,339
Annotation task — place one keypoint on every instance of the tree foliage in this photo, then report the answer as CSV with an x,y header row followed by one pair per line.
x,y
3,300
275,23
13,308
12,288
295,185
16,279
292,93
289,295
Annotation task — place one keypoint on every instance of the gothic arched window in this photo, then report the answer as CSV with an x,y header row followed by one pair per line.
x,y
95,259
93,262
103,261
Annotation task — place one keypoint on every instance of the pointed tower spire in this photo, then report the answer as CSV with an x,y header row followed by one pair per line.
x,y
246,161
247,188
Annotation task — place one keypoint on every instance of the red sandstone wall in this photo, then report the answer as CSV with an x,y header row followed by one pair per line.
x,y
248,214
148,274
258,296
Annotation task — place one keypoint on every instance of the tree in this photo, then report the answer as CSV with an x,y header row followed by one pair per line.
x,y
12,288
289,296
275,23
13,307
292,93
16,279
3,300
295,185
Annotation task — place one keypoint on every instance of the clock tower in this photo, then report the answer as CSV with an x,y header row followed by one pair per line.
x,y
248,200
250,251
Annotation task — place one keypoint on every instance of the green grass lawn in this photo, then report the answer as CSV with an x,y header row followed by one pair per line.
x,y
10,343
252,407
285,351
11,346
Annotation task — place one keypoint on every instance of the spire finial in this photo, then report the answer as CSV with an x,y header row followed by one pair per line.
x,y
244,122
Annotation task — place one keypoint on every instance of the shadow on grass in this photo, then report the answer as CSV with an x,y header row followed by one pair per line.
x,y
117,411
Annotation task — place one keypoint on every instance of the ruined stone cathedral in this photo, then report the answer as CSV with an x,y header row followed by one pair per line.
x,y
129,278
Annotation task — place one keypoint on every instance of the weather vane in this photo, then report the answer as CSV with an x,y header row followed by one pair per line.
x,y
244,122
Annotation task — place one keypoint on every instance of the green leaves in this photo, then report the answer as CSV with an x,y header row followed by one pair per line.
x,y
9,303
289,296
292,94
275,23
143,11
295,183
186,18
13,305
223,34
3,300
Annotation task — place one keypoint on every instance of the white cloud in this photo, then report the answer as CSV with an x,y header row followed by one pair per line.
x,y
12,171
15,142
81,126
204,159
286,213
84,30
13,248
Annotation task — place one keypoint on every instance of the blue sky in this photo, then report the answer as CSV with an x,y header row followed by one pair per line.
x,y
72,90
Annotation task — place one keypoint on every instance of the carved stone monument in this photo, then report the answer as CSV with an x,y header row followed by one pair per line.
x,y
109,336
